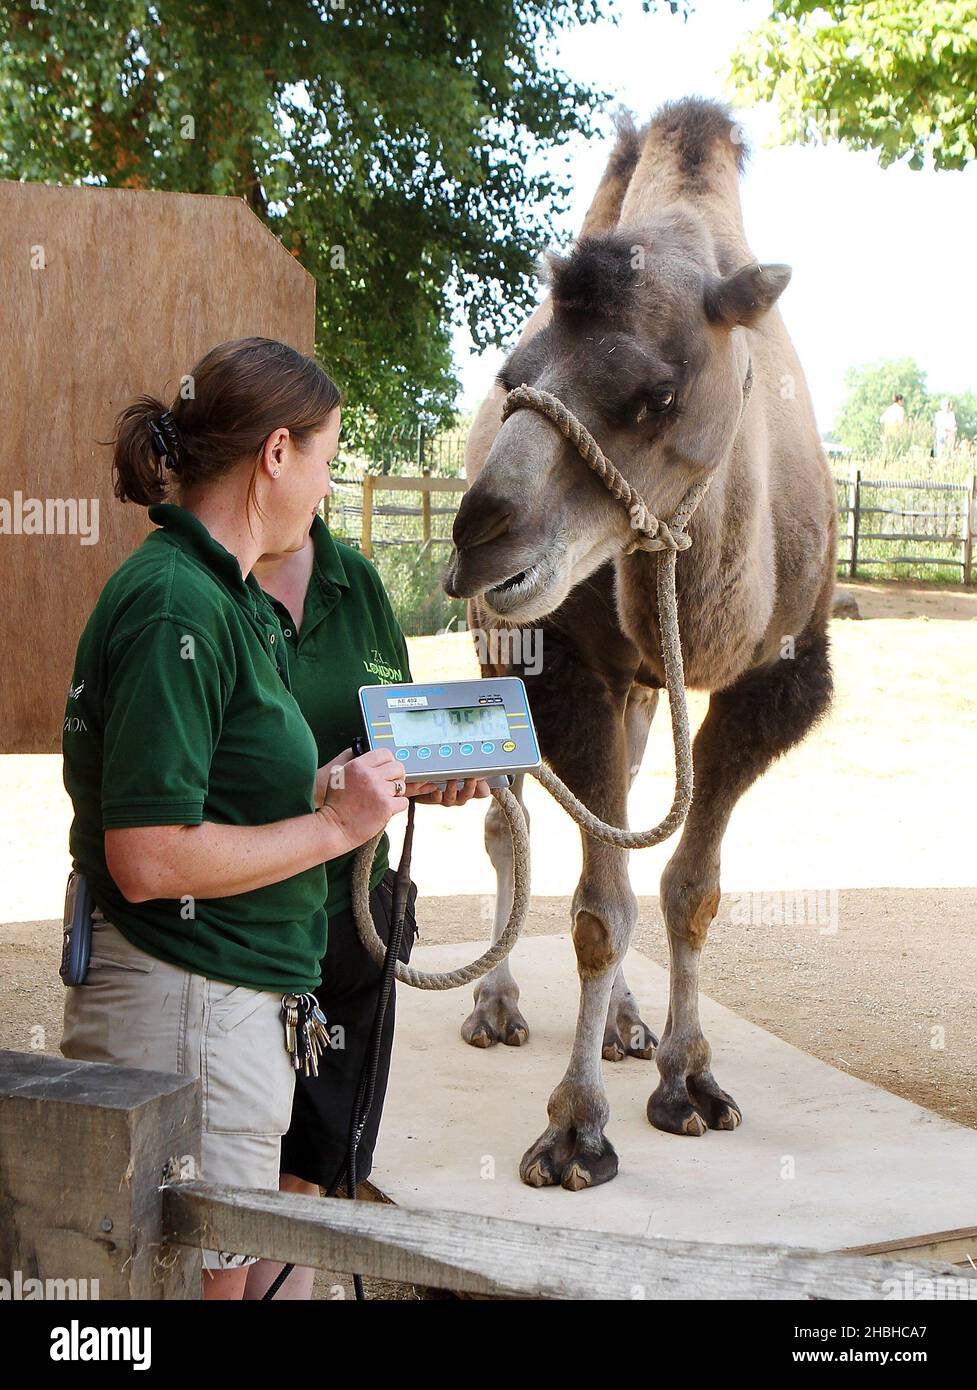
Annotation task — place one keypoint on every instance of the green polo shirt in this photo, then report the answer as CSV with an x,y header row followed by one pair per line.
x,y
180,712
349,637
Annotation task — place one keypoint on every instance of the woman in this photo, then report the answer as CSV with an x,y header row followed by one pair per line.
x,y
340,633
202,818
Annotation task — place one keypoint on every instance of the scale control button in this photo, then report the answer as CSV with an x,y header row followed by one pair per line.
x,y
488,747
423,752
401,754
444,751
508,746
466,750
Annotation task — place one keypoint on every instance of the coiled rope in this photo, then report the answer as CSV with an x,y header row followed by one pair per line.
x,y
653,534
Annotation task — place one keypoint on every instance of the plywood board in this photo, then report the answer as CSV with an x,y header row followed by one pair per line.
x,y
106,293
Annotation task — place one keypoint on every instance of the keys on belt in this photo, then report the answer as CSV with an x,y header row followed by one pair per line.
x,y
306,1031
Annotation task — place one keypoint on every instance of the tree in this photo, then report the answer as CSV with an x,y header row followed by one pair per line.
x,y
389,146
870,390
896,76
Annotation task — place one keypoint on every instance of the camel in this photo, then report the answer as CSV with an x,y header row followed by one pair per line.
x,y
655,329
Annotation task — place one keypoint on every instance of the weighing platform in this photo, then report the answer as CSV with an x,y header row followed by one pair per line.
x,y
822,1160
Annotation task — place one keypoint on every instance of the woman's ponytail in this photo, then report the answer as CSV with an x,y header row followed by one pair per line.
x,y
139,472
242,390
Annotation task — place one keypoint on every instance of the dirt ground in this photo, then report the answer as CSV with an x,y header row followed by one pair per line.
x,y
850,885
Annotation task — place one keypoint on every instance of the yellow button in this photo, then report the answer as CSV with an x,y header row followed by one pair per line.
x,y
508,746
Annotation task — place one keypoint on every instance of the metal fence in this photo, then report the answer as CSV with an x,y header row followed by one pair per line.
x,y
407,451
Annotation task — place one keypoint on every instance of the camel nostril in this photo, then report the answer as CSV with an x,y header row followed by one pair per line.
x,y
480,520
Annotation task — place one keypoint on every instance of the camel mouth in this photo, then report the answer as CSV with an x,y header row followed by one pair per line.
x,y
520,588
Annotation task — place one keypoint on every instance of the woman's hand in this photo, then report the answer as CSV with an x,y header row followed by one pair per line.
x,y
428,794
327,774
361,794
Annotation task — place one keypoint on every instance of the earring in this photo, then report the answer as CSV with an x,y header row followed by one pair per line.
x,y
276,472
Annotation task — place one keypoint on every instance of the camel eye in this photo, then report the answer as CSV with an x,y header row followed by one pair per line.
x,y
661,398
657,401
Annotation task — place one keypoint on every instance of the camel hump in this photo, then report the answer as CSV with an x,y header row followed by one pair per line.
x,y
700,133
693,153
605,206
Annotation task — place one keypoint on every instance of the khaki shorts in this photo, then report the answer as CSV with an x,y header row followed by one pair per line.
x,y
136,1011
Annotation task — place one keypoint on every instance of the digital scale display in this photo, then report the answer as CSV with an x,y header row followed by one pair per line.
x,y
414,727
453,729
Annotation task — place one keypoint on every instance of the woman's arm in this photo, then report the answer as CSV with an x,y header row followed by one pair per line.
x,y
217,861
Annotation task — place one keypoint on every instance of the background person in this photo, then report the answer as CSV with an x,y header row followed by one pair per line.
x,y
945,427
341,633
893,418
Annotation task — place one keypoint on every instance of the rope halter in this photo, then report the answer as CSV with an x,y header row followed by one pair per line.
x,y
653,533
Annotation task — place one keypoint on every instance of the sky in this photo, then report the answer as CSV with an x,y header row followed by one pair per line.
x,y
883,259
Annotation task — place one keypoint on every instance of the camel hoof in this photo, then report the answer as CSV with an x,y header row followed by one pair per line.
x,y
641,1043
493,1021
627,1036
575,1178
701,1105
720,1110
537,1176
557,1159
676,1115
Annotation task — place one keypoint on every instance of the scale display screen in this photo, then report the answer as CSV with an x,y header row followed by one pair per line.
x,y
453,729
413,727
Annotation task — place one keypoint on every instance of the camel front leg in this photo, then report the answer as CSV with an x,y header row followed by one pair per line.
x,y
496,1016
573,1150
747,726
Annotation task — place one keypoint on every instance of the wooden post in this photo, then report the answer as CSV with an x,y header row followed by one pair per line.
x,y
420,448
855,504
426,508
366,527
968,532
84,1150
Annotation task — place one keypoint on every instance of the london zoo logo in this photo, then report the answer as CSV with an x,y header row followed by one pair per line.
x,y
385,674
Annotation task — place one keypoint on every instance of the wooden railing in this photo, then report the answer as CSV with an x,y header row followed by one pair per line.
x,y
920,523
97,1183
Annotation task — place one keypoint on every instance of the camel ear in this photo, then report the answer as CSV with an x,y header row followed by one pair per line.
x,y
741,299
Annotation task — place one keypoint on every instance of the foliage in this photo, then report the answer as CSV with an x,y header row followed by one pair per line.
x,y
413,584
391,146
896,76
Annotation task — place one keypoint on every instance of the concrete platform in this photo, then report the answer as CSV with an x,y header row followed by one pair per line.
x,y
822,1160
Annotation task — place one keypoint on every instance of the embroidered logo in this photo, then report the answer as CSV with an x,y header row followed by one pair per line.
x,y
384,674
75,690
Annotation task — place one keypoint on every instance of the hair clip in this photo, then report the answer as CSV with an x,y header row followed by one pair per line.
x,y
165,438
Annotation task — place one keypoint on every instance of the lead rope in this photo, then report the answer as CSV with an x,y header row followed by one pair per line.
x,y
667,538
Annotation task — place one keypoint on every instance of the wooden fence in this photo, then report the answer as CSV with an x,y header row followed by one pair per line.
x,y
918,524
426,485
97,1182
